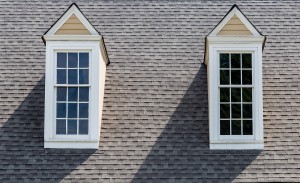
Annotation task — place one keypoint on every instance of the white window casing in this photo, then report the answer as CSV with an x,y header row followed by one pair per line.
x,y
97,78
218,141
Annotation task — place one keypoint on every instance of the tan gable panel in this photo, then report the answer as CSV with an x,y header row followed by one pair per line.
x,y
235,27
72,26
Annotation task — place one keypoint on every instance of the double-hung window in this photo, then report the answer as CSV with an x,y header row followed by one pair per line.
x,y
235,94
72,93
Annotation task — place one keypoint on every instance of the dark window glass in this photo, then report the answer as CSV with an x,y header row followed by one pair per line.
x,y
224,77
235,60
83,60
224,60
236,111
247,77
83,110
247,94
72,110
61,60
83,94
83,127
72,76
225,111
224,95
60,126
247,60
72,93
83,76
225,127
247,110
236,127
235,77
61,76
61,94
72,127
61,110
235,94
72,60
247,127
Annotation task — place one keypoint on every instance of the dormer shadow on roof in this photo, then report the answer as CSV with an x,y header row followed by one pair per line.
x,y
74,26
234,28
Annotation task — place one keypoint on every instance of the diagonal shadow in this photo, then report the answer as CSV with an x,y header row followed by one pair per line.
x,y
181,152
22,150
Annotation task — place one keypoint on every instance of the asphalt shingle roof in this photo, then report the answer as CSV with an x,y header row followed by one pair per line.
x,y
155,118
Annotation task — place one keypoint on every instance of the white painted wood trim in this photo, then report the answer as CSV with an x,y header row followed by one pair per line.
x,y
72,10
72,37
72,144
240,146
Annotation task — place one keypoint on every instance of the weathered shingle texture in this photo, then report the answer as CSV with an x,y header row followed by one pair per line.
x,y
155,119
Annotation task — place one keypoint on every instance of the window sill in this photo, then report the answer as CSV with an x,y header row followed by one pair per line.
x,y
237,145
72,144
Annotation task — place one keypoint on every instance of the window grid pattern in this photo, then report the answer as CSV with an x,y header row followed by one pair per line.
x,y
72,93
236,116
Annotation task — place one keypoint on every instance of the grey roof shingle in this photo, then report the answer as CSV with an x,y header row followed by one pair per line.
x,y
155,118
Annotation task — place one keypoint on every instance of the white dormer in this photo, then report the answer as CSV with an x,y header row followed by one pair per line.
x,y
76,61
233,56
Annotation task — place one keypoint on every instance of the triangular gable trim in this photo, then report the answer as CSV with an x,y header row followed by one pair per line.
x,y
235,11
73,9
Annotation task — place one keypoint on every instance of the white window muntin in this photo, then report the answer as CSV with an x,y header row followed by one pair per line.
x,y
68,136
214,117
52,48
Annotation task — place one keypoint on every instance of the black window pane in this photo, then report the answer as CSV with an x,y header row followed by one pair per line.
x,y
235,60
72,60
236,110
236,127
61,76
83,60
83,76
247,94
72,76
72,110
61,60
72,127
224,110
247,77
247,110
83,94
60,126
83,127
224,95
235,94
83,110
61,110
247,127
224,60
225,127
235,77
72,93
61,94
247,60
224,77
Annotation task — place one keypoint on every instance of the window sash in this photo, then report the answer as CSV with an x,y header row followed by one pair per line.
x,y
230,86
66,85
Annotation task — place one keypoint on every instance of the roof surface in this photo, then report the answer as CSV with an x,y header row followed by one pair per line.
x,y
155,119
